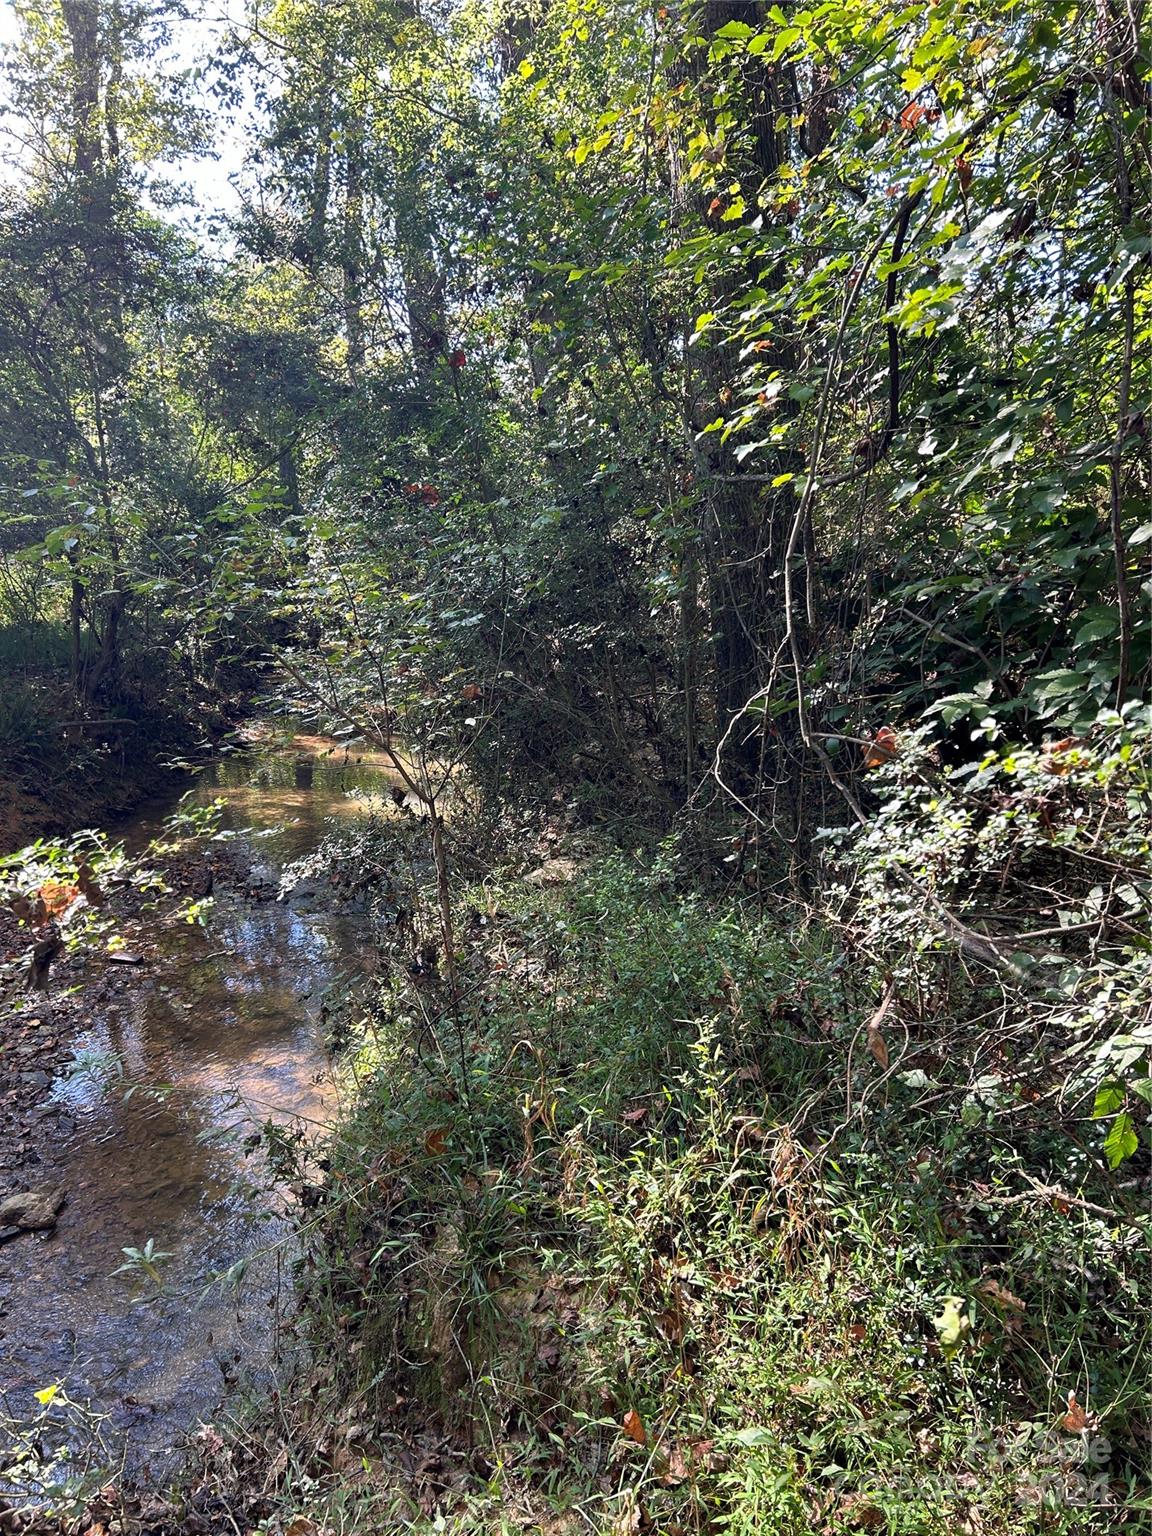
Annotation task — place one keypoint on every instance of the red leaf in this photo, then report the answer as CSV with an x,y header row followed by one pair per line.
x,y
911,115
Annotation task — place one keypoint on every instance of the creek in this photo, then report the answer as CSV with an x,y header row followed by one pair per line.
x,y
218,1032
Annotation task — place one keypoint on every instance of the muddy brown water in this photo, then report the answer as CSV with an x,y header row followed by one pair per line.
x,y
219,1032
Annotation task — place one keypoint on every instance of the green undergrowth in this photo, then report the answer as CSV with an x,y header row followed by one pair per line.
x,y
642,1234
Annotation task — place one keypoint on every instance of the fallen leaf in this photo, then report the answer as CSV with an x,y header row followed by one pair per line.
x,y
436,1141
633,1427
996,1292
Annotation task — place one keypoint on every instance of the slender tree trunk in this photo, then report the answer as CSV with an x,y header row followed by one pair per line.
x,y
353,242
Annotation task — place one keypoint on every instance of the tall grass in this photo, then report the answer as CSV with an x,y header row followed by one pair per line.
x,y
651,1241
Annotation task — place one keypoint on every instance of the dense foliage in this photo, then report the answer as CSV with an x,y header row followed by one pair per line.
x,y
730,422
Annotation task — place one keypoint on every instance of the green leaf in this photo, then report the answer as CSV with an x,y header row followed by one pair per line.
x,y
1121,1141
1096,629
1109,1098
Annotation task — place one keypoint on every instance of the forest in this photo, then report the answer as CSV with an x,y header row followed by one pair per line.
x,y
575,753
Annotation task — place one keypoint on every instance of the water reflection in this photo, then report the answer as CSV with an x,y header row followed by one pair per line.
x,y
218,1035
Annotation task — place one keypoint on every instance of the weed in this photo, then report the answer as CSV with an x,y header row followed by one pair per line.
x,y
646,1232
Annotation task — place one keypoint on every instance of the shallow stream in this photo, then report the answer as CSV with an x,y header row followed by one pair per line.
x,y
217,1032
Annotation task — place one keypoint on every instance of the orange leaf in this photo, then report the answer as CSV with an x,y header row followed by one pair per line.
x,y
57,897
1075,1421
436,1141
964,173
912,114
633,1427
883,747
471,692
1060,757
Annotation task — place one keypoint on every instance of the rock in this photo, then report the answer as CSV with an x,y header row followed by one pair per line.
x,y
37,1079
33,1211
124,957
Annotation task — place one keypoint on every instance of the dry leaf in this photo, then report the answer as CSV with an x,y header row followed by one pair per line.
x,y
57,897
996,1292
877,1046
883,747
633,1427
677,1470
1077,1419
436,1141
1060,757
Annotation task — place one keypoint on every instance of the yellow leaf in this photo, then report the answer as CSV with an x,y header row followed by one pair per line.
x,y
952,1325
46,1394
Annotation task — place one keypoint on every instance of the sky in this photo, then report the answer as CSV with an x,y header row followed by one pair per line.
x,y
211,179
